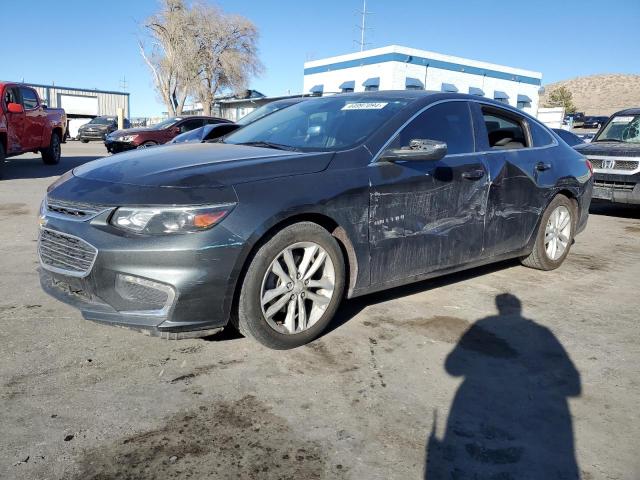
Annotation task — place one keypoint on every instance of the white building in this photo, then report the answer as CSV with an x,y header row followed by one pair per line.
x,y
399,68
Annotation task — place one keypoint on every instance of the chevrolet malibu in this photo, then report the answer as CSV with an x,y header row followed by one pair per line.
x,y
334,197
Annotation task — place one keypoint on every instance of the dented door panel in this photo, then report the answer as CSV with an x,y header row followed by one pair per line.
x,y
426,216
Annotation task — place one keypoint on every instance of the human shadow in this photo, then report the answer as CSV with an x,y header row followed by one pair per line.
x,y
510,417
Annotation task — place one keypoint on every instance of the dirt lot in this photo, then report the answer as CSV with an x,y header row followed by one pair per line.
x,y
397,374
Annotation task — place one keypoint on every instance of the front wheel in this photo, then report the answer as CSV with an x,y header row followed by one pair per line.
x,y
555,235
51,155
292,288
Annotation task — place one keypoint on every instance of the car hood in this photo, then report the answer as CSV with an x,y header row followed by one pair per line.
x,y
201,165
610,149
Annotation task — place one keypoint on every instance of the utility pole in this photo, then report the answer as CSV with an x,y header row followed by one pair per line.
x,y
363,25
123,84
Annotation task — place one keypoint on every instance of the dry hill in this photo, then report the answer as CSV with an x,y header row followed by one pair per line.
x,y
601,94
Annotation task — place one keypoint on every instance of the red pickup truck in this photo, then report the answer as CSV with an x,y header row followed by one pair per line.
x,y
26,125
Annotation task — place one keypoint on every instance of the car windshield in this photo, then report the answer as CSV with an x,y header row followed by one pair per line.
x,y
165,123
263,111
621,128
325,124
102,121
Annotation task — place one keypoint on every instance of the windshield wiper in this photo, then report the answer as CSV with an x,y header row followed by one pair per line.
x,y
277,146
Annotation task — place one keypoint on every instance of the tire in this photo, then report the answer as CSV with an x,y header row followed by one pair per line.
x,y
84,141
2,158
541,257
51,155
147,144
299,238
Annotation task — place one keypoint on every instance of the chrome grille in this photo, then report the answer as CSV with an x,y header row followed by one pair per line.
x,y
79,211
612,164
596,163
65,254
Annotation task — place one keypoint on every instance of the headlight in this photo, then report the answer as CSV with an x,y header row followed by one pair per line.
x,y
160,220
126,138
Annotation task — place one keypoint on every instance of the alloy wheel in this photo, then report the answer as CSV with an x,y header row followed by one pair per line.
x,y
297,287
557,233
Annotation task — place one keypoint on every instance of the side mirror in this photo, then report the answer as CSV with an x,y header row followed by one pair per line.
x,y
15,108
418,150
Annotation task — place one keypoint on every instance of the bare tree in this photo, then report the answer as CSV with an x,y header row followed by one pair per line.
x,y
171,53
227,53
198,51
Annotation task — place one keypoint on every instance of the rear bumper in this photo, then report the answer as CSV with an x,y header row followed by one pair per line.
x,y
617,188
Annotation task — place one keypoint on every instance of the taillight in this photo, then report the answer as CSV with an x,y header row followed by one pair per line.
x,y
589,166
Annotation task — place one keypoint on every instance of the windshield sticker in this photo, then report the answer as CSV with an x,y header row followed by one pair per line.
x,y
365,106
622,119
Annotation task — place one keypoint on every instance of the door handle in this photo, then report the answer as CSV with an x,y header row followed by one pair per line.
x,y
541,166
473,174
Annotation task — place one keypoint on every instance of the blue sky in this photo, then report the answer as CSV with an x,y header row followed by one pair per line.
x,y
80,44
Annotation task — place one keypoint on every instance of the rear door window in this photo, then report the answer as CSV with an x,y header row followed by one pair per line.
x,y
448,122
29,98
539,135
504,130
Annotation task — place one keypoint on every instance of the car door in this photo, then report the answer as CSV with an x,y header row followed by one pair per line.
x,y
518,172
34,119
428,215
15,121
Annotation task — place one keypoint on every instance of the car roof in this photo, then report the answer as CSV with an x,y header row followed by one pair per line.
x,y
629,111
423,95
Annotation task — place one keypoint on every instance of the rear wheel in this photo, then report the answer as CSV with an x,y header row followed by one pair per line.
x,y
51,155
83,140
555,235
292,288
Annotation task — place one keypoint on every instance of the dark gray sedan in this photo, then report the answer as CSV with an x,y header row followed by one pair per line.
x,y
334,197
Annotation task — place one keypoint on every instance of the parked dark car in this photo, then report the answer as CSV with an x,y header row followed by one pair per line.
x,y
615,155
211,132
99,127
594,122
158,134
334,197
577,118
570,138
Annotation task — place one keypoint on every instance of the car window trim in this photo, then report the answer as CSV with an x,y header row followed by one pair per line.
x,y
526,118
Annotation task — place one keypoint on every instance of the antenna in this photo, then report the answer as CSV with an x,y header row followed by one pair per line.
x,y
363,25
123,83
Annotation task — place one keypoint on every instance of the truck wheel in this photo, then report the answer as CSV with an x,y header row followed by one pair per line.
x,y
1,160
292,288
555,235
51,155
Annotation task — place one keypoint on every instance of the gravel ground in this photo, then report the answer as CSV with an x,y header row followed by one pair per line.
x,y
400,376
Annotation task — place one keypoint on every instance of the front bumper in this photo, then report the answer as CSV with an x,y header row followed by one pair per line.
x,y
198,269
92,135
617,188
117,147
